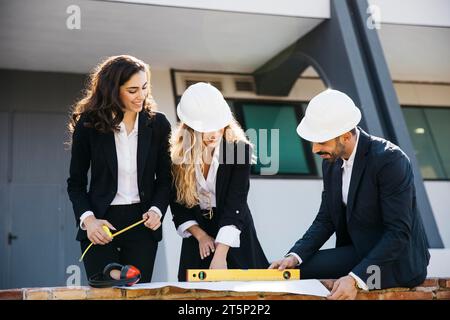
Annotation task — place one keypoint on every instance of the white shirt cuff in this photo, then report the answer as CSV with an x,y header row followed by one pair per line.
x,y
359,282
83,217
230,236
156,209
182,229
296,257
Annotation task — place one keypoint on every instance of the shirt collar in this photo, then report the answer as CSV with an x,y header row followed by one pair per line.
x,y
351,159
135,128
136,123
212,169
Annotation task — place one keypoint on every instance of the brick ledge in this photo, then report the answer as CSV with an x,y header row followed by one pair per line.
x,y
431,289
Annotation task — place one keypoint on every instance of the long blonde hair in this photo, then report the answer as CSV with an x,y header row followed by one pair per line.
x,y
186,148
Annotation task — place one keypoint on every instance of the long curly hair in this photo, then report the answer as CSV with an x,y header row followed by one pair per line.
x,y
101,101
186,150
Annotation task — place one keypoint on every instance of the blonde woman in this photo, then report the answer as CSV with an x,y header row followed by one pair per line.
x,y
211,177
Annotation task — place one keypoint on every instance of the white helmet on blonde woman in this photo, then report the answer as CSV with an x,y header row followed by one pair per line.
x,y
203,108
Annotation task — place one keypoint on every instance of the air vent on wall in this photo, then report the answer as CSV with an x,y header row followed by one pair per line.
x,y
216,84
244,85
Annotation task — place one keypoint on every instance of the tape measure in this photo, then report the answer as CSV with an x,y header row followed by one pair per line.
x,y
199,275
112,235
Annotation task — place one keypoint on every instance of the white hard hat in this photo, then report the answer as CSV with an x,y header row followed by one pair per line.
x,y
329,114
203,108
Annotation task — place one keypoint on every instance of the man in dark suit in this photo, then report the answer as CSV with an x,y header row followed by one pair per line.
x,y
368,200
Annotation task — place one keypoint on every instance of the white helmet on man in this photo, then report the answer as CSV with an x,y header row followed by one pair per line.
x,y
203,108
329,114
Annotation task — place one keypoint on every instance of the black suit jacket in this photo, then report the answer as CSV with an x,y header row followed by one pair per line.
x,y
381,216
232,186
97,151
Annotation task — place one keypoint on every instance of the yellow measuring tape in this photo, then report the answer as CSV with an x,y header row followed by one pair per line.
x,y
112,235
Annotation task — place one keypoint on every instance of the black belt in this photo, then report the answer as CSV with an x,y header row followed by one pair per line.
x,y
131,205
125,207
208,213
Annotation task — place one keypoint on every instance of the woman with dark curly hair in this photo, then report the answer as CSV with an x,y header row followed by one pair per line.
x,y
118,136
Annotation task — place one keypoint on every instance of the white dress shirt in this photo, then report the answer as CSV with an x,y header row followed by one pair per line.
x,y
206,189
127,188
347,167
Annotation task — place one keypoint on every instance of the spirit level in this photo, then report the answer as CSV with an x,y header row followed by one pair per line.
x,y
198,275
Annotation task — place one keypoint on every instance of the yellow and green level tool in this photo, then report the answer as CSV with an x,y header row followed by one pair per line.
x,y
199,275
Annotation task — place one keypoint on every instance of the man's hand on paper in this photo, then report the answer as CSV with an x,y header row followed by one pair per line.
x,y
344,289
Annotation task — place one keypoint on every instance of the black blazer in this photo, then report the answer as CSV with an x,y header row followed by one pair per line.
x,y
232,186
96,150
381,216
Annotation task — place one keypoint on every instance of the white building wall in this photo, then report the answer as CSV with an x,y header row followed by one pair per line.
x,y
413,12
293,8
439,193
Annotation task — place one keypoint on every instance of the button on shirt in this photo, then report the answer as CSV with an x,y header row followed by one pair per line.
x,y
206,189
127,187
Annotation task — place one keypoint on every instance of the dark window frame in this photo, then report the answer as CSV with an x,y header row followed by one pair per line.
x,y
422,107
298,108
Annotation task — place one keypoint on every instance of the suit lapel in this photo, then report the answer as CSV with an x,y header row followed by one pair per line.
x,y
109,148
144,142
336,193
221,171
358,169
219,183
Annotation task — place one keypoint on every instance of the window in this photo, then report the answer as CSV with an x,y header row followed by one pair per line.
x,y
430,133
295,157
